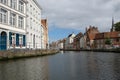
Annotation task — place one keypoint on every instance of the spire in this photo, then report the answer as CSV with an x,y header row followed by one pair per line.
x,y
112,29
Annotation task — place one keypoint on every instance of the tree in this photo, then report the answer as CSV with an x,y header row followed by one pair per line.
x,y
108,41
117,26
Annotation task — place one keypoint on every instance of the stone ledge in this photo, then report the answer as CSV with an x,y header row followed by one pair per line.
x,y
17,54
95,50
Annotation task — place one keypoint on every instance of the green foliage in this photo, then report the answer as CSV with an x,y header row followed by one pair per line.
x,y
117,26
108,41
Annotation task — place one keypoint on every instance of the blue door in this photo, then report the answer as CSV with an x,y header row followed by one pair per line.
x,y
3,41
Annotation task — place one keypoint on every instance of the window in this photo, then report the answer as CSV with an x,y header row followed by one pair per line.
x,y
3,16
119,35
13,39
13,19
20,20
30,9
31,23
21,6
20,39
13,4
3,1
117,40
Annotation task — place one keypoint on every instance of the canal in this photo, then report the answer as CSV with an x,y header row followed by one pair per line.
x,y
64,66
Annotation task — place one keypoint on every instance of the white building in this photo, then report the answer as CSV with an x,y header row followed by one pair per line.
x,y
61,45
33,30
69,41
42,38
12,24
83,42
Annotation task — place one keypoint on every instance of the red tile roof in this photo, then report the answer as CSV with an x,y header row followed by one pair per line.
x,y
115,34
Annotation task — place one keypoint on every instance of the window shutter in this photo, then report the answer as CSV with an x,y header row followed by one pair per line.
x,y
10,38
24,40
17,39
0,42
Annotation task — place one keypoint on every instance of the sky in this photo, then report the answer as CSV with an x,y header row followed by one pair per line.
x,y
73,16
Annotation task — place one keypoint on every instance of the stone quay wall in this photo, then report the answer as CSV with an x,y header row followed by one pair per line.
x,y
95,50
16,54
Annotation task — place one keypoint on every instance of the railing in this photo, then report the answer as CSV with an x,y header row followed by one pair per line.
x,y
4,45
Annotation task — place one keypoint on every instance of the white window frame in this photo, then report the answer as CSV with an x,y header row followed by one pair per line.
x,y
31,23
12,19
21,6
21,22
4,1
13,4
3,15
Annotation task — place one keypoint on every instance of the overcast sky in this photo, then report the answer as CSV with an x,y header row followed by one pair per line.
x,y
79,14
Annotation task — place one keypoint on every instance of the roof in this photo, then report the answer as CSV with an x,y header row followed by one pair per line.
x,y
71,35
37,4
79,35
99,36
115,34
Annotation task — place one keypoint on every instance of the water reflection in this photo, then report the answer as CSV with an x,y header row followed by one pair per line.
x,y
116,66
85,66
66,66
27,69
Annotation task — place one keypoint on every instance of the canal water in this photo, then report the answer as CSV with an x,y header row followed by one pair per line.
x,y
64,66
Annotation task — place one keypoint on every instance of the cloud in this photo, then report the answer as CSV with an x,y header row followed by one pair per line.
x,y
79,14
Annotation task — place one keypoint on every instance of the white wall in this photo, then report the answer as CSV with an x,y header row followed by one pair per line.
x,y
33,24
83,41
9,28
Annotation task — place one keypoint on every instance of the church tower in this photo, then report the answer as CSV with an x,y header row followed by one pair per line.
x,y
113,28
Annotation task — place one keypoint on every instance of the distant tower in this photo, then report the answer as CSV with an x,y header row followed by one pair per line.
x,y
113,28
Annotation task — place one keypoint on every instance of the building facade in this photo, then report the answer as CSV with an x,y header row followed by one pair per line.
x,y
101,40
69,43
34,28
83,42
12,24
90,36
45,33
77,41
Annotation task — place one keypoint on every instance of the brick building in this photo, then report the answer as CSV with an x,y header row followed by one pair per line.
x,y
77,41
45,33
100,40
90,35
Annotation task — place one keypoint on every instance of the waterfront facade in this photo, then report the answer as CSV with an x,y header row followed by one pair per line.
x,y
45,33
90,36
69,44
83,42
12,24
77,41
34,29
101,40
61,44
